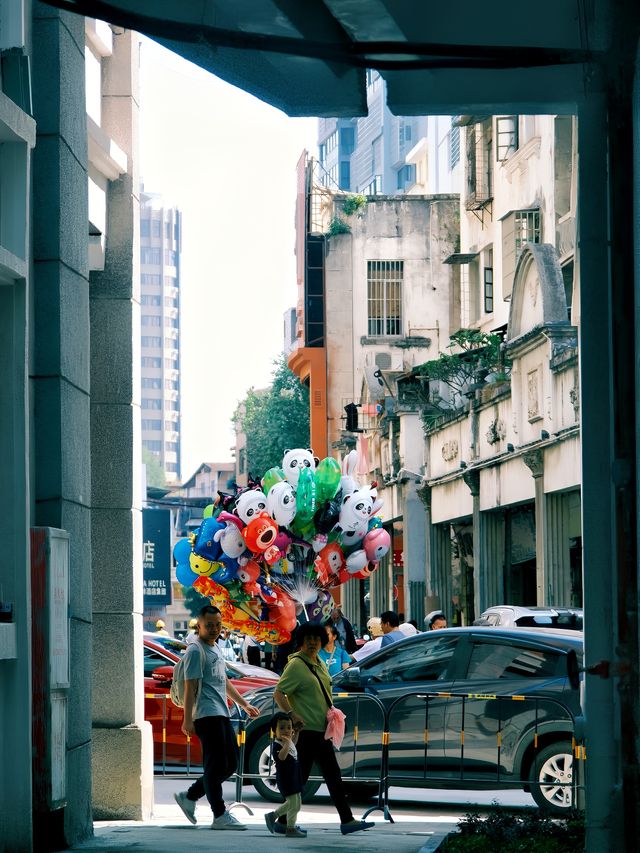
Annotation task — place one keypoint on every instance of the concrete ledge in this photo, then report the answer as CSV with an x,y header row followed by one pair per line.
x,y
122,770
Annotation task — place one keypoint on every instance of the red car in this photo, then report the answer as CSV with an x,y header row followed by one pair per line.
x,y
160,656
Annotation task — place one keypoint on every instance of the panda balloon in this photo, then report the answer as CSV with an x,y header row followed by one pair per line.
x,y
294,461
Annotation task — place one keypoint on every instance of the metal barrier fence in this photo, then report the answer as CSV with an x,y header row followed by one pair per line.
x,y
393,741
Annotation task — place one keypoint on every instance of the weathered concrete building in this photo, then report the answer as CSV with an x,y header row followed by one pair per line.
x,y
504,474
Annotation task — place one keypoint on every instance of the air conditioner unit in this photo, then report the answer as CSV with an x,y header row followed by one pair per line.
x,y
389,361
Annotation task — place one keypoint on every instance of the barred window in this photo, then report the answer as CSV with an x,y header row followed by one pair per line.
x,y
454,146
384,298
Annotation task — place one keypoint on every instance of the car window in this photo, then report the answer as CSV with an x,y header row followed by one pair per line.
x,y
490,661
152,660
425,661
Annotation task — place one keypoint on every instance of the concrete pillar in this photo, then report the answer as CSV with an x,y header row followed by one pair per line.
x,y
122,751
380,587
415,553
534,460
60,371
472,479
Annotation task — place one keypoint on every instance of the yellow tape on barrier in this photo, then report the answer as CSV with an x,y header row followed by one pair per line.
x,y
499,739
462,738
535,740
426,735
444,695
481,696
518,698
385,738
355,734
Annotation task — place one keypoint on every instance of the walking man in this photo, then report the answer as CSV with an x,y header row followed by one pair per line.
x,y
206,714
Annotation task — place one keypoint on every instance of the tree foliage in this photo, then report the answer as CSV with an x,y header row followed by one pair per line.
x,y
275,419
155,472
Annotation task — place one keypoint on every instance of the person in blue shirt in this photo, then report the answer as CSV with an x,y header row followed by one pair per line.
x,y
333,655
389,622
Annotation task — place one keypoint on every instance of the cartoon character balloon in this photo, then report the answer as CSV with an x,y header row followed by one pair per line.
x,y
250,503
281,503
294,461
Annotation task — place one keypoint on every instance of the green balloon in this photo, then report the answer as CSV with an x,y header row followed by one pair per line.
x,y
305,496
208,511
327,479
273,476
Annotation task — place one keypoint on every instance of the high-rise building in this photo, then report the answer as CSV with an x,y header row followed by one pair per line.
x,y
160,246
384,154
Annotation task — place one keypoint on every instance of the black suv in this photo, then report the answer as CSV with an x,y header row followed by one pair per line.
x,y
436,737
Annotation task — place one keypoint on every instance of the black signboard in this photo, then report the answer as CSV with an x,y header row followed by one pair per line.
x,y
156,556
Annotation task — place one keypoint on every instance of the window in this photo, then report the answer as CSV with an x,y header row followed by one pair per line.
x,y
384,298
242,460
151,382
171,406
169,257
156,228
170,302
151,424
347,139
487,280
169,426
170,343
518,228
153,446
454,146
171,445
150,278
345,175
150,256
152,660
322,152
491,661
406,176
150,320
148,403
171,364
150,300
170,281
147,361
150,341
506,137
171,323
167,230
420,661
145,229
171,466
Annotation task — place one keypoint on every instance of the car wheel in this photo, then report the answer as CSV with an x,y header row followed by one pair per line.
x,y
551,775
261,763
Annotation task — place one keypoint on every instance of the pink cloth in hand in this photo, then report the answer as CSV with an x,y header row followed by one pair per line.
x,y
335,726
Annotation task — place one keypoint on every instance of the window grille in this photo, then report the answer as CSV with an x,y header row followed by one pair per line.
x,y
479,168
384,298
526,228
518,228
488,290
454,146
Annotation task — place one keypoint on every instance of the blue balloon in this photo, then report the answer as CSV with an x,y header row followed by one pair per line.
x,y
227,572
181,551
184,574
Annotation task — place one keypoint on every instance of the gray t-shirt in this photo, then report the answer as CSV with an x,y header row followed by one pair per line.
x,y
212,696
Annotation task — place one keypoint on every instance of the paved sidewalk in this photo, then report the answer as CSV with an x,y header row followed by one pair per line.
x,y
170,832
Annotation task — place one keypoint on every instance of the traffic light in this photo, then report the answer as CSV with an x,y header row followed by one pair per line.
x,y
352,417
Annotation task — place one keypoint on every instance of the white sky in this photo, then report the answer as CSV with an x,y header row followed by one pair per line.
x,y
227,160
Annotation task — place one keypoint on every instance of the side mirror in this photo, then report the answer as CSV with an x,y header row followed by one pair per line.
x,y
350,679
573,669
163,674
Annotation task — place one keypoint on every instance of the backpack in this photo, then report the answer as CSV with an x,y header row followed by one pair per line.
x,y
176,691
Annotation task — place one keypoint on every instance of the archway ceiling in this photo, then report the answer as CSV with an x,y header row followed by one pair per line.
x,y
308,57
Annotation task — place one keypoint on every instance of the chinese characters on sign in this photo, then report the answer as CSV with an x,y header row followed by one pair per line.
x,y
156,556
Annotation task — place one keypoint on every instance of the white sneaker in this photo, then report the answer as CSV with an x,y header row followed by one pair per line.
x,y
227,821
188,806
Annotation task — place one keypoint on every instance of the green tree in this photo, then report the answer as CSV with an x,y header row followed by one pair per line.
x,y
275,419
155,473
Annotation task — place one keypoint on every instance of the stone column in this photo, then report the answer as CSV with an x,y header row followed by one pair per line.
x,y
557,550
439,582
472,479
380,586
534,460
122,747
415,553
60,374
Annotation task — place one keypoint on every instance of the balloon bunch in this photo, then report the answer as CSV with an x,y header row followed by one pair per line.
x,y
268,557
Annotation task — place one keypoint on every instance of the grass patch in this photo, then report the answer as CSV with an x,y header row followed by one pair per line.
x,y
524,831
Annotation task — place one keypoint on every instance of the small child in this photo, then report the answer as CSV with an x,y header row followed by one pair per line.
x,y
288,777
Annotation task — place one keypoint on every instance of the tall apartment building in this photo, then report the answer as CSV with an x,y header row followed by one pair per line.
x,y
384,154
160,246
